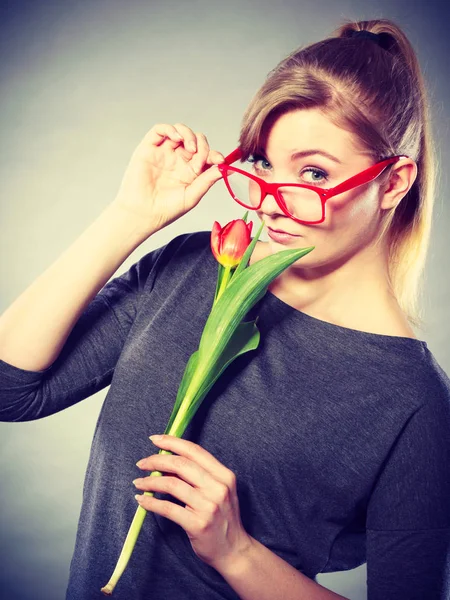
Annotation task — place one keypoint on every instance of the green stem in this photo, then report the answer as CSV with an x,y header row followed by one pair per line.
x,y
130,540
223,284
177,428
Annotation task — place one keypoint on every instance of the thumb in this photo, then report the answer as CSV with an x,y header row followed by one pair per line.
x,y
202,184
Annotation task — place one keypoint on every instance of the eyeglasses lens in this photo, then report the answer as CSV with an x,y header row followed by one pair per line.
x,y
300,203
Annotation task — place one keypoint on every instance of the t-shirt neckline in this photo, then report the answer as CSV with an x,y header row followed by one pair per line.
x,y
334,329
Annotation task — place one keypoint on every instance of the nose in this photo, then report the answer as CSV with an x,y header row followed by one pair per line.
x,y
270,205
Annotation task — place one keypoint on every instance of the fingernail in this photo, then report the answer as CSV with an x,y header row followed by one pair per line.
x,y
192,147
140,463
138,497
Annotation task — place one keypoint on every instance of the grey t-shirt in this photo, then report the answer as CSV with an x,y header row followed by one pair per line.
x,y
339,439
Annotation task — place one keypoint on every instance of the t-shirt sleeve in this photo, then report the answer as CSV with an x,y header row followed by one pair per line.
x,y
408,516
88,358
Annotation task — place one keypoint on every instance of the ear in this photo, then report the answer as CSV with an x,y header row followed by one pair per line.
x,y
402,176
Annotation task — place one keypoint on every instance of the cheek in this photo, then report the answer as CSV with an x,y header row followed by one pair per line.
x,y
349,225
351,210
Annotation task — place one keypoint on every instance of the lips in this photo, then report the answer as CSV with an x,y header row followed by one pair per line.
x,y
280,231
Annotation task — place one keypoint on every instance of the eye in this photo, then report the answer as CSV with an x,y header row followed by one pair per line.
x,y
261,164
322,174
258,158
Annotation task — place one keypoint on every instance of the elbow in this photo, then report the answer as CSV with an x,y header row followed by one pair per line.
x,y
27,405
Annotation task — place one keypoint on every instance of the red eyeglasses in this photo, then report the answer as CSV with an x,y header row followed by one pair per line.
x,y
295,199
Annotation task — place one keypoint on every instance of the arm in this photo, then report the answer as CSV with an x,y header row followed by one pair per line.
x,y
34,329
85,364
162,182
408,515
260,574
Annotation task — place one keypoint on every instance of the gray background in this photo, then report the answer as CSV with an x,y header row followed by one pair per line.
x,y
81,83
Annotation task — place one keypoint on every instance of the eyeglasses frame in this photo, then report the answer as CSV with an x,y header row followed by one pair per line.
x,y
325,194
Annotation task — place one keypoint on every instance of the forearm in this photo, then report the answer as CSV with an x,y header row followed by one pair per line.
x,y
260,574
34,328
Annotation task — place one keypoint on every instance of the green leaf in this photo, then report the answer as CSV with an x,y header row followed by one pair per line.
x,y
220,275
244,290
225,318
185,381
245,338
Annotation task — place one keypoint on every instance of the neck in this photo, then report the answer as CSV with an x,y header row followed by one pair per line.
x,y
354,293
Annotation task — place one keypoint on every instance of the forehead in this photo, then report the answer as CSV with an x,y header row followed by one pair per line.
x,y
305,129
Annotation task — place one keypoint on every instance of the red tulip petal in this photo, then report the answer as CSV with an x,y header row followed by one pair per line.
x,y
236,240
230,242
228,228
215,240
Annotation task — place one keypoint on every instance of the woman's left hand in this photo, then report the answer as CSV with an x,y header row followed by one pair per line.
x,y
211,516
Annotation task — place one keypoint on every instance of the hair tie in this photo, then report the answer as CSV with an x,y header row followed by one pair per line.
x,y
363,33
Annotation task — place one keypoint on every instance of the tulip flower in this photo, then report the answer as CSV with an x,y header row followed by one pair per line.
x,y
224,338
229,243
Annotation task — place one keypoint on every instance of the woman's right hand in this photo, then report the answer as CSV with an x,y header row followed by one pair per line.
x,y
167,176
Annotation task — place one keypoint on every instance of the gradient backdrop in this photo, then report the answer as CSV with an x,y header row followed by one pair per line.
x,y
81,83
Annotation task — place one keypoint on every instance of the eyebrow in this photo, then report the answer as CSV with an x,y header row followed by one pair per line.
x,y
302,153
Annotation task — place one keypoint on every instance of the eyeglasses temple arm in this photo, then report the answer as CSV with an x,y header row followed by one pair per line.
x,y
374,171
233,156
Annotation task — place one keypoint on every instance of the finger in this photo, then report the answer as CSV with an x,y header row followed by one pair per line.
x,y
198,161
195,455
215,158
175,487
160,132
201,184
185,155
189,137
180,465
187,519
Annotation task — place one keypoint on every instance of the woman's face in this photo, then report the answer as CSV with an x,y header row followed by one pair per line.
x,y
351,218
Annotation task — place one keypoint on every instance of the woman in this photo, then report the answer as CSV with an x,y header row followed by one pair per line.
x,y
326,447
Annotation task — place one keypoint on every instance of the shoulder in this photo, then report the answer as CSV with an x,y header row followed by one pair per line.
x,y
167,262
431,387
434,379
187,243
175,254
425,375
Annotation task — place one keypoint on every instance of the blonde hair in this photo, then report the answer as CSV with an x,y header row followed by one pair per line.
x,y
378,94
